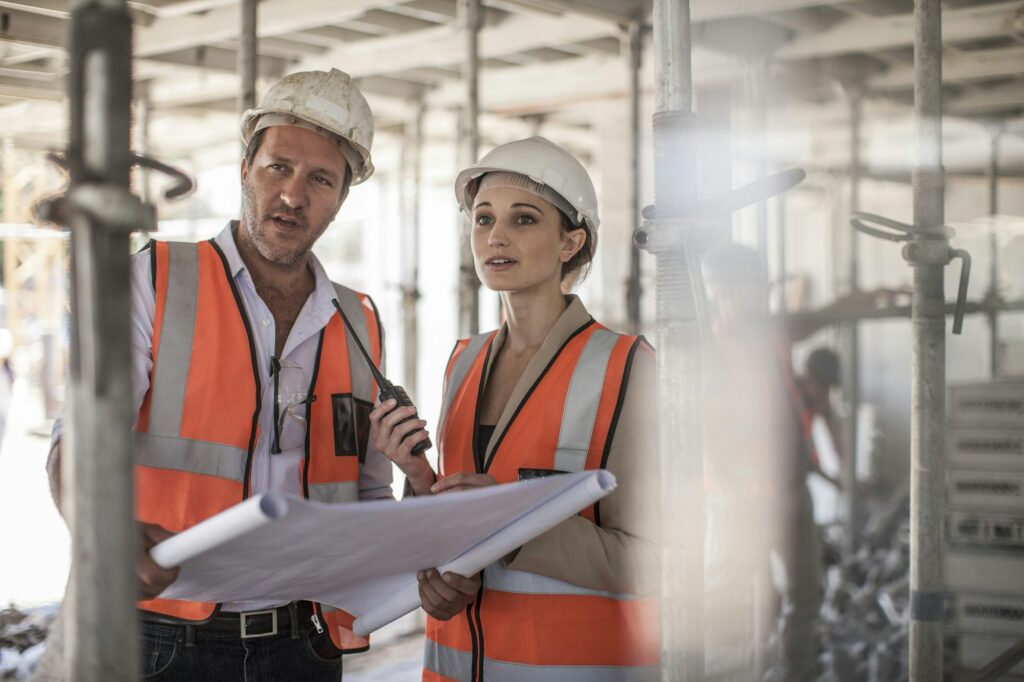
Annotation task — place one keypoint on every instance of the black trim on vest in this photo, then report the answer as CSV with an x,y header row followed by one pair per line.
x,y
310,397
526,397
151,245
478,640
615,415
255,367
478,455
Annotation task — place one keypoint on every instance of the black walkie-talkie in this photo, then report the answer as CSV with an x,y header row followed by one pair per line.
x,y
388,390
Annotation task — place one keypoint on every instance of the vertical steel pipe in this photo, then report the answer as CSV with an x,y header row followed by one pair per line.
x,y
850,332
247,57
928,255
758,74
143,117
780,254
634,291
993,240
679,352
469,285
412,151
101,627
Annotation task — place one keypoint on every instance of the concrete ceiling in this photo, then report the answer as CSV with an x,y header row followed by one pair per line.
x,y
542,59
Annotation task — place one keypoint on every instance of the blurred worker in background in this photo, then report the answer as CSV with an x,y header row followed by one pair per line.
x,y
814,390
551,391
759,508
234,396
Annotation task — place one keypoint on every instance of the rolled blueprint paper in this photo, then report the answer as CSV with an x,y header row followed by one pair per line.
x,y
233,523
530,525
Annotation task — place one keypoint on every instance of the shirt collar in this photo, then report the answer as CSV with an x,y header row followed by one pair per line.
x,y
226,241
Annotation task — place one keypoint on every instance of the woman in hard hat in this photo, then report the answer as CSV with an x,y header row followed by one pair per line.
x,y
551,391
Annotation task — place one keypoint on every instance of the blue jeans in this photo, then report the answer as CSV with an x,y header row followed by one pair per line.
x,y
168,656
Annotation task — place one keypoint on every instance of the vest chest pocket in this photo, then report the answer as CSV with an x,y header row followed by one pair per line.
x,y
351,425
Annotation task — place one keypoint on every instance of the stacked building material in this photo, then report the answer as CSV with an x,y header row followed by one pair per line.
x,y
985,521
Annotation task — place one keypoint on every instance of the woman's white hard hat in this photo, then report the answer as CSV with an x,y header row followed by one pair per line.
x,y
545,163
326,102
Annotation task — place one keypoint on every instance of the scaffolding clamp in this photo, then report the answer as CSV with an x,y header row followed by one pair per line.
x,y
660,233
924,247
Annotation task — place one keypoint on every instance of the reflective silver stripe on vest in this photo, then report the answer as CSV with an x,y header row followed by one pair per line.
x,y
190,456
582,401
500,671
170,374
362,379
462,366
496,577
458,665
334,493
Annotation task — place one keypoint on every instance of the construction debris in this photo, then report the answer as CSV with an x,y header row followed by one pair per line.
x,y
864,613
22,635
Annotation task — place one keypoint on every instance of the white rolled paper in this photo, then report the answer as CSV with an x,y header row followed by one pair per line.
x,y
231,524
530,525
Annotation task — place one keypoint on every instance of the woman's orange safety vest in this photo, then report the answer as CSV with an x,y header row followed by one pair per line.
x,y
198,424
524,626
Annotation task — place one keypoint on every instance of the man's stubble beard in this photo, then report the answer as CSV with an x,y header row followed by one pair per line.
x,y
253,223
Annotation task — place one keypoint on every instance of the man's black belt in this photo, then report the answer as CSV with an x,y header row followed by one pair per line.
x,y
292,619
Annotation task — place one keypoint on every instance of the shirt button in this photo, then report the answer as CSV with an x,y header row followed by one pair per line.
x,y
266,323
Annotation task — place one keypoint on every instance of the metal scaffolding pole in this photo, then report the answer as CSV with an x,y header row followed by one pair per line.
x,y
928,254
849,340
758,80
634,291
97,462
469,137
412,149
678,283
993,237
143,116
248,60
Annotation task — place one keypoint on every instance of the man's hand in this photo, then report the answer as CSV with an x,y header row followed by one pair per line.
x,y
445,596
152,578
462,481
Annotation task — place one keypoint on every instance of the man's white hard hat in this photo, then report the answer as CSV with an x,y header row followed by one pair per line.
x,y
543,162
326,102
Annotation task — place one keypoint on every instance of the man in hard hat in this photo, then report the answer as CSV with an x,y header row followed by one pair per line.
x,y
246,381
760,511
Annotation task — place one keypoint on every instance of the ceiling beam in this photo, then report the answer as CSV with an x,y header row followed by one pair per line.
x,y
443,46
868,34
220,59
969,65
707,10
276,17
999,98
21,26
546,87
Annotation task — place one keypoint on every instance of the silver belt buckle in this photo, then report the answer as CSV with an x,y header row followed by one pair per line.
x,y
243,620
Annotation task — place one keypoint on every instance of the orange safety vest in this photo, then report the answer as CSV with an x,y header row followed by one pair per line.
x,y
198,425
524,626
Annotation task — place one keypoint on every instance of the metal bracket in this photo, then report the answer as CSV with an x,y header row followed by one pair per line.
x,y
109,205
183,183
659,233
924,247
